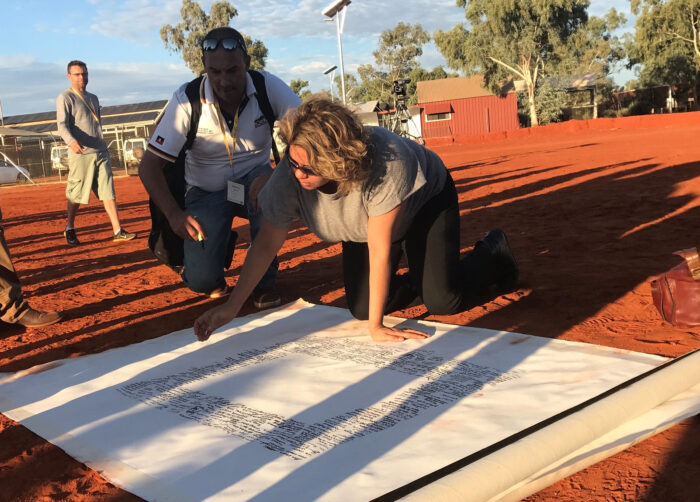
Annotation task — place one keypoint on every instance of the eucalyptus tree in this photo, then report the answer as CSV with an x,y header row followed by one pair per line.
x,y
506,39
186,36
666,41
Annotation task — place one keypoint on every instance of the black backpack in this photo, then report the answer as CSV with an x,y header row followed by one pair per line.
x,y
166,245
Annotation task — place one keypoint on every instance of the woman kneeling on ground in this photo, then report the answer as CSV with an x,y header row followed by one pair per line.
x,y
380,195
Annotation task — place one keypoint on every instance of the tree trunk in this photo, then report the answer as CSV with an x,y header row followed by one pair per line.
x,y
534,122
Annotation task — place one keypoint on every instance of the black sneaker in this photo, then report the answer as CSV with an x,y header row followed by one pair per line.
x,y
71,238
506,266
123,235
265,299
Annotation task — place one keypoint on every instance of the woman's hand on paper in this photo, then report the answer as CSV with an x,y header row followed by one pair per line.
x,y
388,334
212,319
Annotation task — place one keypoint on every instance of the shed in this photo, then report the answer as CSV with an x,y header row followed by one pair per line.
x,y
116,119
368,111
462,106
581,100
119,124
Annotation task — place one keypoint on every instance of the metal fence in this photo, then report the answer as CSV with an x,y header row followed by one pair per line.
x,y
34,154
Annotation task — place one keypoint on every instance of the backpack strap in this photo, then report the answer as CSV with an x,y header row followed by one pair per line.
x,y
265,107
192,92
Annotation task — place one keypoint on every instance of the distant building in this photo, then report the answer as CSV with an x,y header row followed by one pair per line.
x,y
581,98
462,106
120,123
136,118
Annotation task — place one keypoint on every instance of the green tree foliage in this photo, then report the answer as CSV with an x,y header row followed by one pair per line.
x,y
351,88
298,86
512,39
593,48
375,85
666,41
395,58
186,36
550,100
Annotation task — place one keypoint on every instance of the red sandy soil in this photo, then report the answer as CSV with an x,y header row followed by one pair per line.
x,y
593,212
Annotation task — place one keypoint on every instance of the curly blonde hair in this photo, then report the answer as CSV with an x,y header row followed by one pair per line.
x,y
333,138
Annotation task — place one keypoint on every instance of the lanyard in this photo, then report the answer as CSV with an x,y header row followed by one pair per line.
x,y
92,111
222,123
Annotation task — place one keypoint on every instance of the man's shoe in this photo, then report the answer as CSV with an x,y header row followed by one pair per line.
x,y
123,235
220,292
504,262
36,318
265,299
71,238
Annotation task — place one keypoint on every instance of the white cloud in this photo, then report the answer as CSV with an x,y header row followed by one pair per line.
x,y
32,88
135,21
302,45
16,61
271,18
308,68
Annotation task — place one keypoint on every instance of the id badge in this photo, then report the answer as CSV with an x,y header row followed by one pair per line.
x,y
235,193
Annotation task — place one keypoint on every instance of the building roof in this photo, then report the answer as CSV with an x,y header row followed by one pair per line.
x,y
454,88
365,107
131,114
16,131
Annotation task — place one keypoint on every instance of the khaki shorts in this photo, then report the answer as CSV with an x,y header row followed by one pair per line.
x,y
89,172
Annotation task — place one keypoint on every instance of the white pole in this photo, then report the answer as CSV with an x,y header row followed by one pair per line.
x,y
332,76
340,50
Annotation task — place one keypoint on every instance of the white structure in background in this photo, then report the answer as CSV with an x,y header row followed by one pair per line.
x,y
9,171
331,71
337,10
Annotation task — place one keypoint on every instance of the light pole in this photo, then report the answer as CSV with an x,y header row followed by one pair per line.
x,y
331,71
337,10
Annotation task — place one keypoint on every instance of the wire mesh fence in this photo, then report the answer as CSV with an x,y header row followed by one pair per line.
x,y
46,158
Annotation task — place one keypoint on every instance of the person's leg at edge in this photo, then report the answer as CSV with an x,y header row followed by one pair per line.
x,y
14,309
204,261
12,303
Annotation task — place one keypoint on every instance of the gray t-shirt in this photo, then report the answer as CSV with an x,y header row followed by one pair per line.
x,y
75,120
401,171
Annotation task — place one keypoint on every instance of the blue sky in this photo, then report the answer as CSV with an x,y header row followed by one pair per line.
x,y
120,42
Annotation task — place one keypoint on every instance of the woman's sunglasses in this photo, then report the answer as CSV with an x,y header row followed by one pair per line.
x,y
295,165
210,44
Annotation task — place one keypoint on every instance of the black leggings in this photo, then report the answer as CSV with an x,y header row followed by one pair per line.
x,y
437,276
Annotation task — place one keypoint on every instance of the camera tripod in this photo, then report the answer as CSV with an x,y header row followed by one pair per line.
x,y
400,122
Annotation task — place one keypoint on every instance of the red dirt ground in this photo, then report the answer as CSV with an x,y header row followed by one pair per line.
x,y
593,212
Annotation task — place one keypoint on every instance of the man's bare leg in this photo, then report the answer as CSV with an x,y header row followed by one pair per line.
x,y
113,213
72,210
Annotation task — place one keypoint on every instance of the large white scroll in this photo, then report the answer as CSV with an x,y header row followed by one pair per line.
x,y
299,404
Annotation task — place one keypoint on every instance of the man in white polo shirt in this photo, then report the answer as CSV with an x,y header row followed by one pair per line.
x,y
226,166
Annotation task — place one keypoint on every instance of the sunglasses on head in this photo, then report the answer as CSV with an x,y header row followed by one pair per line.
x,y
229,44
304,169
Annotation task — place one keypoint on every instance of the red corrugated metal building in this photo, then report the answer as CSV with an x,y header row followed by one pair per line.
x,y
454,107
